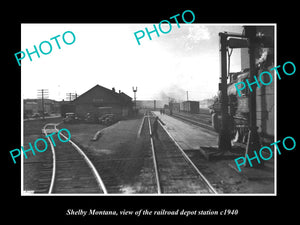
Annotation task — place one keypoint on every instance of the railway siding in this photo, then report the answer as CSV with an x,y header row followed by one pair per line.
x,y
195,121
176,174
72,173
37,170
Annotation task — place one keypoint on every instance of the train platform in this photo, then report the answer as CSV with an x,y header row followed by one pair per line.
x,y
119,154
201,142
189,136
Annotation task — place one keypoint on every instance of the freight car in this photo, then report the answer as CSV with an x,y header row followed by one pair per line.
x,y
176,107
190,107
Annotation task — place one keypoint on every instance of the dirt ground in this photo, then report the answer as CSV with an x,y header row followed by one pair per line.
x,y
120,156
225,178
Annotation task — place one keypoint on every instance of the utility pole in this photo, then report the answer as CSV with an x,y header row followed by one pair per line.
x,y
71,96
42,94
134,92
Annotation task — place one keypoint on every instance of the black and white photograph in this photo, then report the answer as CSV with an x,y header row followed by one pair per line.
x,y
108,110
150,114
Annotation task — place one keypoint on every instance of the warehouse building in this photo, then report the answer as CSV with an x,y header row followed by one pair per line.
x,y
100,100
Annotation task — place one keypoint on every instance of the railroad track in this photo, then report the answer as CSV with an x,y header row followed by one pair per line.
x,y
193,121
174,170
72,171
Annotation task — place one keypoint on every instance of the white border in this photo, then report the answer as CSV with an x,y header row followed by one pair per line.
x,y
27,193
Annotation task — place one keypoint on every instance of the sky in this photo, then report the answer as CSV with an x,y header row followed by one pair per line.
x,y
185,59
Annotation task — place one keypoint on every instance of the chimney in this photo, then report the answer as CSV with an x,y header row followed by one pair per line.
x,y
119,91
113,89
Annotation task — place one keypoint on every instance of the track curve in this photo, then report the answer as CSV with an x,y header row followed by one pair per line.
x,y
72,171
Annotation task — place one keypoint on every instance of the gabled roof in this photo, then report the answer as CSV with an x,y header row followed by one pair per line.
x,y
104,92
125,97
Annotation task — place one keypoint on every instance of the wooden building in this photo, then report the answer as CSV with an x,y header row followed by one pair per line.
x,y
98,98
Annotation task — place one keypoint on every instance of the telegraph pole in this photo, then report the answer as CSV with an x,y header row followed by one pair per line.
x,y
71,96
43,93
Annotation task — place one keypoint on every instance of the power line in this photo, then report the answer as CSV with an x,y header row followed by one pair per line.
x,y
71,96
43,94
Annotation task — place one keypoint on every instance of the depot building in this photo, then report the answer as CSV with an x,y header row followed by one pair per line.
x,y
99,100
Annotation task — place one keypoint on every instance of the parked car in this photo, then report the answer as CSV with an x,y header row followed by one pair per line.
x,y
36,115
107,119
71,118
102,118
91,118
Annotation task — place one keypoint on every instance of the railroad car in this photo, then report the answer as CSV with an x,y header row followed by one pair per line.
x,y
189,106
176,107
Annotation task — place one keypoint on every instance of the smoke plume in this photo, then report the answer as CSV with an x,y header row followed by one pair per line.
x,y
173,92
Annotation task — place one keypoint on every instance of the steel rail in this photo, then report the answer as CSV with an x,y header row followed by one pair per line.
x,y
87,160
190,161
53,160
140,128
195,122
154,159
90,164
